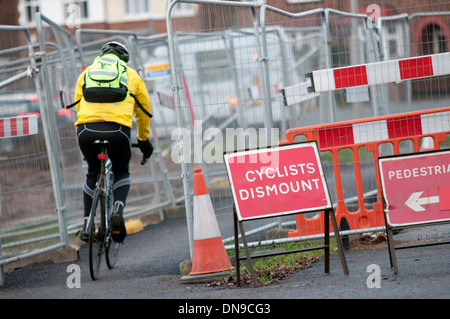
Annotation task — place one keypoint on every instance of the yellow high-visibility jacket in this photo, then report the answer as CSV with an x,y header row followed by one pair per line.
x,y
120,112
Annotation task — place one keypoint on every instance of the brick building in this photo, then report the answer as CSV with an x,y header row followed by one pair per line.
x,y
9,14
428,34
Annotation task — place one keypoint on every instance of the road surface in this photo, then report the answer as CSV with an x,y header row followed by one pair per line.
x,y
148,268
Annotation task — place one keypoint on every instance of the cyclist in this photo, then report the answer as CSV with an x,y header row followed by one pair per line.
x,y
112,121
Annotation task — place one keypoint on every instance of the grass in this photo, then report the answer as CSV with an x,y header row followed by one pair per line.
x,y
270,270
30,231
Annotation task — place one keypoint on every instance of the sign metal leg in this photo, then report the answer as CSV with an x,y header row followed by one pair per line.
x,y
391,248
247,253
236,247
327,241
337,235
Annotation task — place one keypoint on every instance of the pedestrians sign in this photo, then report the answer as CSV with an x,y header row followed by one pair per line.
x,y
416,188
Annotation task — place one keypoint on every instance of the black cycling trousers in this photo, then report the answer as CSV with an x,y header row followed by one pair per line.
x,y
119,152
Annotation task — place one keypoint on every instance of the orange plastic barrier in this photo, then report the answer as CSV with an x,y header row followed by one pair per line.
x,y
368,133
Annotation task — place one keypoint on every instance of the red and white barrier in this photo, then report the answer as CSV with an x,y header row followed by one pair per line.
x,y
425,130
297,93
384,129
166,100
18,126
394,71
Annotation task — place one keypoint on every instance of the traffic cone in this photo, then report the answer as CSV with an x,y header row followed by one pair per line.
x,y
209,255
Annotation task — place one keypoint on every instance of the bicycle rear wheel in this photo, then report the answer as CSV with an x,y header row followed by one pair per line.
x,y
96,234
112,251
112,248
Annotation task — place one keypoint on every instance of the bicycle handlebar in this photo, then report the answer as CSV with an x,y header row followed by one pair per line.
x,y
144,159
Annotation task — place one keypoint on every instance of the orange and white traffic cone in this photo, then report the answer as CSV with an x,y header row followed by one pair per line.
x,y
209,255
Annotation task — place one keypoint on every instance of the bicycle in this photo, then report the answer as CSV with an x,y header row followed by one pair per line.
x,y
100,235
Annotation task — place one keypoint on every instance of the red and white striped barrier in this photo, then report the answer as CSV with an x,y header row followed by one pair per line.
x,y
18,126
425,130
380,72
386,128
166,100
297,93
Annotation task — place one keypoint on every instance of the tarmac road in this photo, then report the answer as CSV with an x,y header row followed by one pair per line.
x,y
148,268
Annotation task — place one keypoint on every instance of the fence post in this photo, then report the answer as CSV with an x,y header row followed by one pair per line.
x,y
180,123
330,96
263,69
2,273
51,144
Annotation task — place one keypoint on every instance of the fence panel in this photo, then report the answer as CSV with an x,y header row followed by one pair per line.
x,y
220,97
58,76
154,54
247,65
40,159
403,84
29,215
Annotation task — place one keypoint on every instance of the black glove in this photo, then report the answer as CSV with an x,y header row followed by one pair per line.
x,y
146,148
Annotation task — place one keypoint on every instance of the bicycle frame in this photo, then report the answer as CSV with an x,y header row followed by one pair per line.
x,y
102,241
105,167
103,197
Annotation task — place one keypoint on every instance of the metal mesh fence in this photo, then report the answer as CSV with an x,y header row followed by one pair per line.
x,y
28,216
42,170
247,65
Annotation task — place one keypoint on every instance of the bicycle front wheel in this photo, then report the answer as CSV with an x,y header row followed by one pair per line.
x,y
96,234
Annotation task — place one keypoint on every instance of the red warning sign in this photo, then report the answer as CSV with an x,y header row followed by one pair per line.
x,y
416,188
277,181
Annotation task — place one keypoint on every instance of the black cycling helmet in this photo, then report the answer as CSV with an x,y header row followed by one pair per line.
x,y
117,48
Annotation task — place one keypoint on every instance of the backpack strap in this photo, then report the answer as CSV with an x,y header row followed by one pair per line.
x,y
72,105
135,98
141,107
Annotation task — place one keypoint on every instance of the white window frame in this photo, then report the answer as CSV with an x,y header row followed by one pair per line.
x,y
136,8
33,4
301,1
83,15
